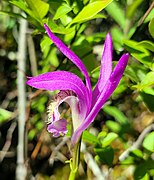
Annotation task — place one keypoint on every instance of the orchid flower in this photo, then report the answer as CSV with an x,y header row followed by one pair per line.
x,y
84,102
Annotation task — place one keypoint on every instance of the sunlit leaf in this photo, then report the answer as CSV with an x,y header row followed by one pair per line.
x,y
147,81
107,140
38,7
147,45
136,153
59,29
139,52
90,10
90,138
113,126
148,142
62,10
151,27
116,113
150,16
4,115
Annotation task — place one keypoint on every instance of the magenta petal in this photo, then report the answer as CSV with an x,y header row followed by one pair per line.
x,y
58,128
70,55
62,80
106,67
109,87
78,115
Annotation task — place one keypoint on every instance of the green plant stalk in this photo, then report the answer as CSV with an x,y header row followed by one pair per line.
x,y
74,164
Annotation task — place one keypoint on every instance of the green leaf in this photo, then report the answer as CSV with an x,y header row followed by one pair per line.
x,y
39,8
117,36
132,8
150,16
32,133
147,45
45,45
148,100
148,142
136,153
14,15
20,4
147,81
59,29
129,160
117,13
113,126
90,138
139,52
105,155
4,115
116,113
90,11
142,170
62,10
151,27
131,72
108,139
87,57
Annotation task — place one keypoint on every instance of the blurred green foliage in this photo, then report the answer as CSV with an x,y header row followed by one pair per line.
x,y
83,25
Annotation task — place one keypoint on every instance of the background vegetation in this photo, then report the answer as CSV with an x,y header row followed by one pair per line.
x,y
120,142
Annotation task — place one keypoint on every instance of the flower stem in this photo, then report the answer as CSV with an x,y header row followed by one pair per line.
x,y
75,160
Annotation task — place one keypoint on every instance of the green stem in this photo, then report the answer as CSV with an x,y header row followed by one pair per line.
x,y
75,160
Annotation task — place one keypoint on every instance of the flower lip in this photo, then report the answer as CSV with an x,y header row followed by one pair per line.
x,y
58,128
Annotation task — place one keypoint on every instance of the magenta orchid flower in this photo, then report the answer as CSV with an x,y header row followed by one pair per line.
x,y
84,102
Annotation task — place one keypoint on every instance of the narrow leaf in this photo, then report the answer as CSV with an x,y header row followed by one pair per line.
x,y
117,13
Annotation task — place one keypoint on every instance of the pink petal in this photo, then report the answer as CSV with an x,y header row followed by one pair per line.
x,y
109,87
62,80
70,55
106,67
58,128
78,115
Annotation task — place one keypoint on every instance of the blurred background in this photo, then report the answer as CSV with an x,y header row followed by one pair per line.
x,y
27,150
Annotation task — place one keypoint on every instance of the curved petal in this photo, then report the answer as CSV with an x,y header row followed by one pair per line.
x,y
109,87
106,67
62,80
70,55
66,96
58,128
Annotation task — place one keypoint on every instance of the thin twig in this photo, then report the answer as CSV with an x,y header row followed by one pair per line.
x,y
146,14
8,140
138,142
21,170
57,148
92,164
10,95
32,55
